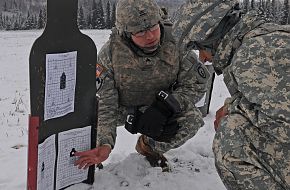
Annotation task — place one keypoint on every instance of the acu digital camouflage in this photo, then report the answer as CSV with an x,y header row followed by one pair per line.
x,y
132,78
258,77
193,20
251,146
137,15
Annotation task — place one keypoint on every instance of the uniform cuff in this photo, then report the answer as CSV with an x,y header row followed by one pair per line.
x,y
105,143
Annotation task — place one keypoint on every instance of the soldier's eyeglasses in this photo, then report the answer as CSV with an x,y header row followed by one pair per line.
x,y
142,33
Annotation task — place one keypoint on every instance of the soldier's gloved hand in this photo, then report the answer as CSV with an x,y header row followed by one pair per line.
x,y
152,122
170,130
159,118
132,119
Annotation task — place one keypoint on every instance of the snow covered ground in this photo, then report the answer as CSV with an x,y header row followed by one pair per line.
x,y
193,163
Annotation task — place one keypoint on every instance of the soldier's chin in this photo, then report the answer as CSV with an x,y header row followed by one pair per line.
x,y
151,48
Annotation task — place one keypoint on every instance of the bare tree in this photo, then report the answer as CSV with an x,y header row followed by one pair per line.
x,y
285,18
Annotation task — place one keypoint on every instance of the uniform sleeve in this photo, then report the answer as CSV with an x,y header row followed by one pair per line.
x,y
191,87
108,104
192,81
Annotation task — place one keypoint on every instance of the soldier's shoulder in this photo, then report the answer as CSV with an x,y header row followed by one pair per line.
x,y
168,31
105,52
105,48
276,27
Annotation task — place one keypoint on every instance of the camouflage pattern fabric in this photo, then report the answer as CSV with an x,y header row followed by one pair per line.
x,y
193,10
132,80
233,39
252,144
258,79
137,15
248,158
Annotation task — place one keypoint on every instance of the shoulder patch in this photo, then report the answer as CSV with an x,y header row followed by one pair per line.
x,y
99,70
201,72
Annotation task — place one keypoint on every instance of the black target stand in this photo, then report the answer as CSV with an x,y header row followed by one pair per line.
x,y
63,118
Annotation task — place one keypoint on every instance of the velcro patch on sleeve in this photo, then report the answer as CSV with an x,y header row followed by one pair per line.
x,y
99,70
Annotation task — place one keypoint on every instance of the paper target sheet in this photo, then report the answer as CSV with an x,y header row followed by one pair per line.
x,y
60,84
46,164
68,143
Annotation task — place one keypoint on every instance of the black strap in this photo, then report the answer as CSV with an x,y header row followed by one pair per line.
x,y
131,110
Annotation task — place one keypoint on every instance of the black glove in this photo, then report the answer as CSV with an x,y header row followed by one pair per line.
x,y
132,120
169,131
151,123
168,102
158,119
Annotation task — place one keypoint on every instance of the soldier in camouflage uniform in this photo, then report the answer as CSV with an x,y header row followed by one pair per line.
x,y
252,140
146,85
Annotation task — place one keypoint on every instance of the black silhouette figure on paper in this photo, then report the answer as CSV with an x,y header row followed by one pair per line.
x,y
42,170
72,155
63,81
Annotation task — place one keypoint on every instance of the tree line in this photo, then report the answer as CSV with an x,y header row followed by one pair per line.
x,y
276,10
99,16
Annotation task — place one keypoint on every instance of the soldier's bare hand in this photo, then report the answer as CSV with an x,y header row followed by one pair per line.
x,y
205,56
91,157
220,114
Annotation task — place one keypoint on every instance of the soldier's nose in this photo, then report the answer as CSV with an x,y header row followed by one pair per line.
x,y
149,35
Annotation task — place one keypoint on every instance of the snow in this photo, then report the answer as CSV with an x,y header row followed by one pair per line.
x,y
192,164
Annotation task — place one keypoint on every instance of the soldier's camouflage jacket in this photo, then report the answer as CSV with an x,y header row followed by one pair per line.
x,y
254,58
132,79
253,54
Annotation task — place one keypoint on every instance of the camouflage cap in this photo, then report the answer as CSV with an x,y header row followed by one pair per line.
x,y
136,15
196,18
